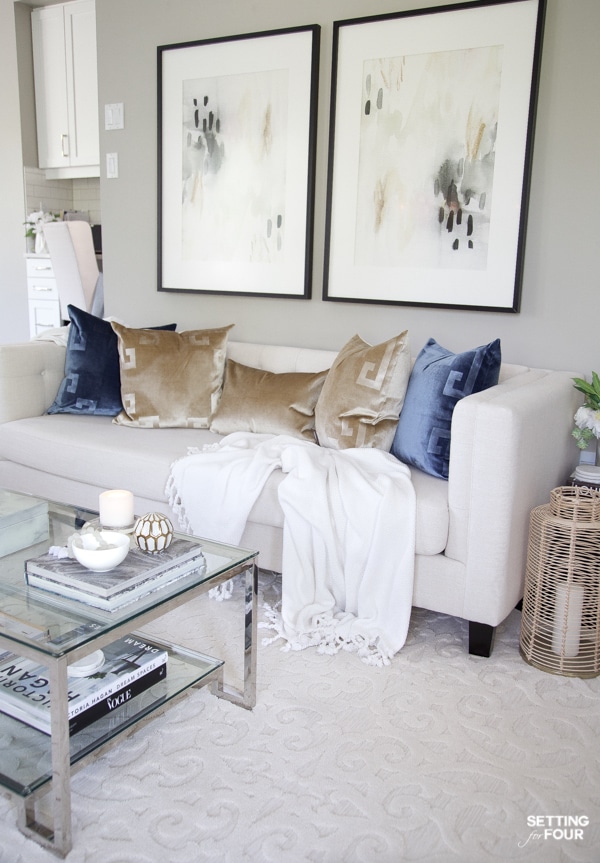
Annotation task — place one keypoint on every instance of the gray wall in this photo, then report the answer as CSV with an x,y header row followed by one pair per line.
x,y
26,85
561,301
13,288
556,327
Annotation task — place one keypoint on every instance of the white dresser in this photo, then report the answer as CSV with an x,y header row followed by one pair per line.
x,y
44,306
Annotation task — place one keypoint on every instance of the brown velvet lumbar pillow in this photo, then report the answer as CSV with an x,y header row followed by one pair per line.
x,y
363,394
170,379
255,400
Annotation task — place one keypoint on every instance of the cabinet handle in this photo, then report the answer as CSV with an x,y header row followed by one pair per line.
x,y
43,268
64,139
40,288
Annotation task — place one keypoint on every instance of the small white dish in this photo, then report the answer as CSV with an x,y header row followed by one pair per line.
x,y
100,551
86,666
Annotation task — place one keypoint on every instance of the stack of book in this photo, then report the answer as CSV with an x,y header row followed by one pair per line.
x,y
139,574
123,670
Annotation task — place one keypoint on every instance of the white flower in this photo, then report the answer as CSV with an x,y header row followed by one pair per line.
x,y
587,418
35,221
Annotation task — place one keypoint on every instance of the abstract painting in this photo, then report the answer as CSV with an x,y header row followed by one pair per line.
x,y
236,166
430,149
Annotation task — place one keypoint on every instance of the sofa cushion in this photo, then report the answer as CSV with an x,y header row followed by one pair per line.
x,y
92,450
255,400
168,379
95,451
439,379
92,381
432,527
432,518
363,394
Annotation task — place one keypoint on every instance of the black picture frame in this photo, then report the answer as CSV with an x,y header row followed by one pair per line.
x,y
432,122
237,119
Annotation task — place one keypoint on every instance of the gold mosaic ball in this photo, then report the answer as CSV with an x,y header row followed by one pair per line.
x,y
153,532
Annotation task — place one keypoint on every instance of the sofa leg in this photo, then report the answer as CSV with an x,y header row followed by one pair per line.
x,y
481,637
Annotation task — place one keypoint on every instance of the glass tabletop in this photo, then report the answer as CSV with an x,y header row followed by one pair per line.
x,y
54,625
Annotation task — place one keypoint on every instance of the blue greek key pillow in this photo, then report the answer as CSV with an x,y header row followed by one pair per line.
x,y
439,380
92,381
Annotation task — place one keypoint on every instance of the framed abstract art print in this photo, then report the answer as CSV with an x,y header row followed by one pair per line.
x,y
431,137
236,150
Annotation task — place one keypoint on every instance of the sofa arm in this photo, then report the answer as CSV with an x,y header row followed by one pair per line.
x,y
30,375
510,446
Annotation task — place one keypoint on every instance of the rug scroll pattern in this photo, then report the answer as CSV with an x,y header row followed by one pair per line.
x,y
438,758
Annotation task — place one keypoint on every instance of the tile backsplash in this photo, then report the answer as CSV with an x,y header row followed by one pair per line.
x,y
86,197
57,195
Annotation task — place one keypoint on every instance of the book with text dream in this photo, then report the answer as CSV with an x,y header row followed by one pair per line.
x,y
130,666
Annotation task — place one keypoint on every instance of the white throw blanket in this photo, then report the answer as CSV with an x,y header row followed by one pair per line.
x,y
348,538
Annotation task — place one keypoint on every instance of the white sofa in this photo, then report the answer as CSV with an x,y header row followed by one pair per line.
x,y
510,445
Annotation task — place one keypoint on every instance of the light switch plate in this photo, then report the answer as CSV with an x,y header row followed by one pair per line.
x,y
113,116
112,166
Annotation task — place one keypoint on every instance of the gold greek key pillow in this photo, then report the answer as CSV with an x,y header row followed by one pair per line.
x,y
255,400
170,379
363,394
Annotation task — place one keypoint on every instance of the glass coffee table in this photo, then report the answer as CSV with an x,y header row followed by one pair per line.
x,y
55,632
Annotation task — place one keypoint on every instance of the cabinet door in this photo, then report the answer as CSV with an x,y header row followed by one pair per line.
x,y
50,76
66,86
82,82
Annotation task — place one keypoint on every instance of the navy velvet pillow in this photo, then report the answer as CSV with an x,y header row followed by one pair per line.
x,y
92,381
439,379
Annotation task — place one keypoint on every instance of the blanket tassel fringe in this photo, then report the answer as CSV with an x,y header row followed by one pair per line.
x,y
324,636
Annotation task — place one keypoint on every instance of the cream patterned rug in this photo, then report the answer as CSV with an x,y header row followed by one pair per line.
x,y
439,758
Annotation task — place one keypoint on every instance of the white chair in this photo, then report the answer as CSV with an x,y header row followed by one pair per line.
x,y
78,279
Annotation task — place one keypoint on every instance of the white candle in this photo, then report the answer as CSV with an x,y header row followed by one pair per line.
x,y
568,608
116,508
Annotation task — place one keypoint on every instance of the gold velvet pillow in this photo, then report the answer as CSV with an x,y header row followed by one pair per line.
x,y
170,379
363,394
255,400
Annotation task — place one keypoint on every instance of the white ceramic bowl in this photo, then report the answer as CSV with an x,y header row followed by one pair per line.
x,y
87,551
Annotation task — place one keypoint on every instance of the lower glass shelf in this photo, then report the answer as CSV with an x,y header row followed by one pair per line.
x,y
26,759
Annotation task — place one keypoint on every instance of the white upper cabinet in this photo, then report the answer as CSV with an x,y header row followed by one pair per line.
x,y
66,88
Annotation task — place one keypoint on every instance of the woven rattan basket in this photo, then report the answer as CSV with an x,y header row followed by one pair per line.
x,y
560,622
